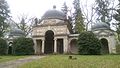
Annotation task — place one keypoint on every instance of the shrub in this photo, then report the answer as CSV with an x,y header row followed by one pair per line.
x,y
23,46
88,44
3,47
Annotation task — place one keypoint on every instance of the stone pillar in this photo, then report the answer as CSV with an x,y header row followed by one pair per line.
x,y
69,46
43,45
65,45
55,45
112,45
35,46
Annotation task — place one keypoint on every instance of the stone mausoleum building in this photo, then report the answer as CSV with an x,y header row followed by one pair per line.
x,y
53,34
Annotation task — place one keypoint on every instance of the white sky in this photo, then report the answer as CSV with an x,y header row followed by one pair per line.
x,y
34,8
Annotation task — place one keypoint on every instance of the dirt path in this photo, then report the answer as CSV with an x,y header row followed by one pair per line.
x,y
16,63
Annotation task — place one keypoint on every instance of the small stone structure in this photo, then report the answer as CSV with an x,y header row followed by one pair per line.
x,y
53,34
106,36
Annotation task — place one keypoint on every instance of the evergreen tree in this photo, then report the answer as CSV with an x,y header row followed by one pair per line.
x,y
65,8
88,44
117,18
78,17
23,46
25,24
4,14
103,11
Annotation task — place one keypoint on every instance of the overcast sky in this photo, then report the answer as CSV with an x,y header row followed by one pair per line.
x,y
34,8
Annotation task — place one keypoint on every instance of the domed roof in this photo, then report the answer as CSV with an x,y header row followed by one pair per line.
x,y
16,32
54,14
100,26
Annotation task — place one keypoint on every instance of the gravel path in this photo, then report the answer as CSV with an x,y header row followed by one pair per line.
x,y
16,63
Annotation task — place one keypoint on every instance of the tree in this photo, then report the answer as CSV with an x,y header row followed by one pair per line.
x,y
89,13
23,46
4,14
117,18
104,10
3,47
78,17
88,44
25,24
65,8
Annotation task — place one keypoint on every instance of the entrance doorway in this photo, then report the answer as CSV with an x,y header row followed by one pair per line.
x,y
60,46
10,48
105,48
49,42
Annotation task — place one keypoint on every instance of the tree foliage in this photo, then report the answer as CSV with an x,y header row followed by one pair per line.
x,y
117,18
25,24
4,14
23,46
78,17
88,44
65,8
3,47
103,10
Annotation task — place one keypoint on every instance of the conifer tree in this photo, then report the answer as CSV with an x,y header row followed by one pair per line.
x,y
4,14
78,17
103,11
117,18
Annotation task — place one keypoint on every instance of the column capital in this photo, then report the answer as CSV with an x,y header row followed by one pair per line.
x,y
55,38
43,39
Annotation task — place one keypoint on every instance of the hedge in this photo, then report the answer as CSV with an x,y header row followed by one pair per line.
x,y
3,47
88,44
23,46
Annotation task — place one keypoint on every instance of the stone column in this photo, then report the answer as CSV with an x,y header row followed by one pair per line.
x,y
55,45
65,45
43,45
35,46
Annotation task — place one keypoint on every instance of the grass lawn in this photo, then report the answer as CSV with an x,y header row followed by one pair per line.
x,y
62,61
8,58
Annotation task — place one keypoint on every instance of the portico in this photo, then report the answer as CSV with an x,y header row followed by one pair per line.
x,y
59,46
54,34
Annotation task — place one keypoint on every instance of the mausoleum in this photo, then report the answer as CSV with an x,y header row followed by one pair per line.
x,y
53,34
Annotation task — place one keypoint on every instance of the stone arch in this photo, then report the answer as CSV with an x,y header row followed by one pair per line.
x,y
49,42
73,46
105,46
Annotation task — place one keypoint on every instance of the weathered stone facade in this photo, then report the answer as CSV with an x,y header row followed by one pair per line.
x,y
53,34
106,36
59,26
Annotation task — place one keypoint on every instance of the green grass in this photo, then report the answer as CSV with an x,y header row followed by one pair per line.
x,y
8,58
62,61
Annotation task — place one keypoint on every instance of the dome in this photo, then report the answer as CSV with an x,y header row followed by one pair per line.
x,y
100,26
54,14
16,32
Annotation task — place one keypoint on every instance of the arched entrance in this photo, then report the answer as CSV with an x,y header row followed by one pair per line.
x,y
105,48
10,48
49,42
73,46
60,46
